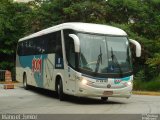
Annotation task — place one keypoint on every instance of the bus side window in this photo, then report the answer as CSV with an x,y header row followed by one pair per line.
x,y
50,43
58,56
72,53
58,44
24,48
20,49
69,46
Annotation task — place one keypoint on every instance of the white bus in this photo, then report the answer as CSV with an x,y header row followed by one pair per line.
x,y
80,59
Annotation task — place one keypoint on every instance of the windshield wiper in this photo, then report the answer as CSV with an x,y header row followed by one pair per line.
x,y
99,60
115,61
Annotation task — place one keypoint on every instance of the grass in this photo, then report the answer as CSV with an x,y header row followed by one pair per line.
x,y
146,93
147,86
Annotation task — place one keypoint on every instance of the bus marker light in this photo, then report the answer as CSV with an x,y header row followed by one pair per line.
x,y
128,83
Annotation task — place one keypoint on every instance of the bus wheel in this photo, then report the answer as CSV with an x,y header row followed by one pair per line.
x,y
25,82
60,90
104,99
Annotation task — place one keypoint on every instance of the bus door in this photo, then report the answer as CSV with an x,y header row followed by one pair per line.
x,y
70,72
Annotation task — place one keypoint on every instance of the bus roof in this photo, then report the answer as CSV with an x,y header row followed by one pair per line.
x,y
82,27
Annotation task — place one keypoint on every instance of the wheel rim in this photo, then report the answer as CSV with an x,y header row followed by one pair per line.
x,y
25,83
58,87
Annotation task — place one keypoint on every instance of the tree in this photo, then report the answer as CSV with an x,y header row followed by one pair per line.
x,y
139,18
12,27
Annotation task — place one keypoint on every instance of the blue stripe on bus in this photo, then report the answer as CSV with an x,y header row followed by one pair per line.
x,y
125,79
118,80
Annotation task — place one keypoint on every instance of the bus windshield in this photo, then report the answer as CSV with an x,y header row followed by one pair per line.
x,y
102,54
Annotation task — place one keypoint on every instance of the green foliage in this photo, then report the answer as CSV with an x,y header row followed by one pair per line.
x,y
153,86
141,84
154,64
7,65
138,79
86,11
12,27
147,86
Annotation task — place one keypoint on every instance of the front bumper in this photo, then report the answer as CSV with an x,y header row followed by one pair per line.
x,y
86,91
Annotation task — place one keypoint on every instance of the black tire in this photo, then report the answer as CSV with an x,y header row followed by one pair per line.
x,y
61,95
25,85
104,99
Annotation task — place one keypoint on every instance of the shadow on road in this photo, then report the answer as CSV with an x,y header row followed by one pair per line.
x,y
72,99
89,101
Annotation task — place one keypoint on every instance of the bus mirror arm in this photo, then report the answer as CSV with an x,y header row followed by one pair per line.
x,y
76,42
138,47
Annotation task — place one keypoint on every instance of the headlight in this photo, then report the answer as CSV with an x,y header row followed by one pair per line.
x,y
84,81
128,83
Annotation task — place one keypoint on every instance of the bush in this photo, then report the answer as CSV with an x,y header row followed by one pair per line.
x,y
140,84
152,86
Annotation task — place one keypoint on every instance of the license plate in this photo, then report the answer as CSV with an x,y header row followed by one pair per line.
x,y
101,81
108,93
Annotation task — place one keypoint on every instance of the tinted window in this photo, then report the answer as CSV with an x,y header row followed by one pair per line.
x,y
40,45
69,46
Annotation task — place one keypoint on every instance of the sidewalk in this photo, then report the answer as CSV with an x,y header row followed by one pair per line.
x,y
1,86
16,85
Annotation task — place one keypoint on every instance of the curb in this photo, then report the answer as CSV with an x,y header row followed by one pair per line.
x,y
151,93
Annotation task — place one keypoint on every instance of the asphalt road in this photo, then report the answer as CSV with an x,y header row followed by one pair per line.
x,y
39,101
